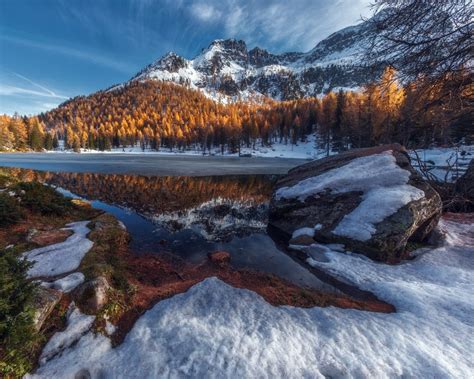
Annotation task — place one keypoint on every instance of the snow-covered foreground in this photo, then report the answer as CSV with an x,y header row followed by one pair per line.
x,y
61,258
214,330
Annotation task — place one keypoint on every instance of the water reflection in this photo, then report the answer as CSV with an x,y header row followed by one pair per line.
x,y
188,216
157,194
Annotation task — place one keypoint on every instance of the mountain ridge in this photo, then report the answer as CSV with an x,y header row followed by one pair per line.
x,y
227,69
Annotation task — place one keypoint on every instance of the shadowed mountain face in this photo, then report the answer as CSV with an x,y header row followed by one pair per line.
x,y
228,68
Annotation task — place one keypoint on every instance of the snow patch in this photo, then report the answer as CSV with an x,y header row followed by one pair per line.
x,y
63,257
438,161
78,324
110,328
376,206
68,283
303,232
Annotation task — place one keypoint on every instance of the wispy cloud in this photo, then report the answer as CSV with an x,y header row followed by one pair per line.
x,y
18,93
46,91
9,90
89,56
205,12
297,24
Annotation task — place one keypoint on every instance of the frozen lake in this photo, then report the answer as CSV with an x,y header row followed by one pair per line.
x,y
152,164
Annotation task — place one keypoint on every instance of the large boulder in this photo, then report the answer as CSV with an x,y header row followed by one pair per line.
x,y
371,200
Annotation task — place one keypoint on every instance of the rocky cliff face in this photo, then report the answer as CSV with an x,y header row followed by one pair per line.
x,y
228,68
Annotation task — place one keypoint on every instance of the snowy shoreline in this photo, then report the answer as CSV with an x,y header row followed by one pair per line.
x,y
219,331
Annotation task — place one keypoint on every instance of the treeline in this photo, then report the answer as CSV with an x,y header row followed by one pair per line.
x,y
163,115
26,133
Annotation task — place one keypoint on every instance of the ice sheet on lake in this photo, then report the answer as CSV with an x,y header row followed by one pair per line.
x,y
63,257
214,330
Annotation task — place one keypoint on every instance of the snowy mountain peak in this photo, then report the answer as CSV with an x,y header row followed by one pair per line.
x,y
226,67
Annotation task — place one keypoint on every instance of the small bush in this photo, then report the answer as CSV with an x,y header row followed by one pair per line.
x,y
17,335
10,211
42,199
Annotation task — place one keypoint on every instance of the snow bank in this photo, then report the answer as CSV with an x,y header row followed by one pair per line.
x,y
78,324
68,283
214,330
63,257
378,176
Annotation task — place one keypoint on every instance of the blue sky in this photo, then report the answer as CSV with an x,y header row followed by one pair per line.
x,y
51,50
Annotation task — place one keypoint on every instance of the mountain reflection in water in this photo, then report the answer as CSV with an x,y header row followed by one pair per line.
x,y
188,216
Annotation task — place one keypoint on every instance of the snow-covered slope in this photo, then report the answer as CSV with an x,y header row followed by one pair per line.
x,y
217,331
227,69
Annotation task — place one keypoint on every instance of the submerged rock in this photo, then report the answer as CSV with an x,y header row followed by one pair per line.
x,y
371,200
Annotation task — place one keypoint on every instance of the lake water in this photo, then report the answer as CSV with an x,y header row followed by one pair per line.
x,y
189,216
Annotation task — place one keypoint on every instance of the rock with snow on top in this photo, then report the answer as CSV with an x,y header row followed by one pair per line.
x,y
371,200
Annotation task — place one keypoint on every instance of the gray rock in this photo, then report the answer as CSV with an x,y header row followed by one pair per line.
x,y
413,221
92,295
43,303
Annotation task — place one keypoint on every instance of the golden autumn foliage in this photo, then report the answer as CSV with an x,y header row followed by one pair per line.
x,y
163,115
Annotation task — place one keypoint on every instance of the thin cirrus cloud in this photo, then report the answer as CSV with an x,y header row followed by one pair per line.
x,y
282,25
91,57
45,91
19,93
9,90
205,12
